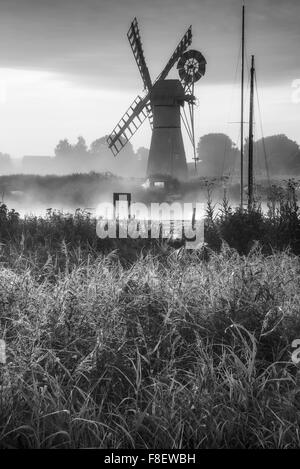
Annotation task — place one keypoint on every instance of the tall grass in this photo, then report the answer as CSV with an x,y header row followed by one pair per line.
x,y
276,229
43,238
172,353
140,345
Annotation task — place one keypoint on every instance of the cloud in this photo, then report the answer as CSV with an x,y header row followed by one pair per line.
x,y
86,41
70,70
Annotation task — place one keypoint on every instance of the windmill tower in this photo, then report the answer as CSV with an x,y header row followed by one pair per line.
x,y
162,103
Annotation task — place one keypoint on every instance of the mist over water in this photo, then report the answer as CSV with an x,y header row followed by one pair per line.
x,y
82,177
34,195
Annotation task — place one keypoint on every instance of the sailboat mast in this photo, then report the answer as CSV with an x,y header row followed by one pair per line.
x,y
250,159
242,107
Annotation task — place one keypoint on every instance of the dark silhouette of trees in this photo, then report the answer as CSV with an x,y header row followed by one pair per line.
x,y
101,156
63,148
218,155
124,164
80,148
282,153
72,157
99,147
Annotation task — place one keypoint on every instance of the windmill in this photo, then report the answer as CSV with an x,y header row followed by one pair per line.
x,y
162,102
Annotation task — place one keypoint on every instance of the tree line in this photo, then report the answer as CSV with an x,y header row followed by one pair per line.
x,y
98,156
218,156
276,155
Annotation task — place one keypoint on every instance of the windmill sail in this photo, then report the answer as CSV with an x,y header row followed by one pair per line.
x,y
129,124
142,107
137,49
135,42
185,42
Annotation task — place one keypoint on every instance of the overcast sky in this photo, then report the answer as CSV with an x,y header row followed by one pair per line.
x,y
66,68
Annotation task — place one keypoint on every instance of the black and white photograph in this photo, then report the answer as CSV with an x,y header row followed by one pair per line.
x,y
149,227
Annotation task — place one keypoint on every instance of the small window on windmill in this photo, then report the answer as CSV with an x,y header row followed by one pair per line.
x,y
159,184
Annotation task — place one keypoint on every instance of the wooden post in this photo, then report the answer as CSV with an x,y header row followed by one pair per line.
x,y
250,159
242,108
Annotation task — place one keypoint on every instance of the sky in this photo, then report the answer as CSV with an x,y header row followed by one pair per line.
x,y
66,67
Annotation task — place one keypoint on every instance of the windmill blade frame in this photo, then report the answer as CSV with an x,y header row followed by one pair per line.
x,y
141,107
129,123
135,42
183,44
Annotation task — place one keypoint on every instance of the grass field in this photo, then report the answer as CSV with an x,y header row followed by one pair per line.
x,y
164,348
175,354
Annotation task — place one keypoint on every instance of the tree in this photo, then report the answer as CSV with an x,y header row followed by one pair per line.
x,y
124,164
218,154
100,158
63,148
80,149
101,155
99,146
282,154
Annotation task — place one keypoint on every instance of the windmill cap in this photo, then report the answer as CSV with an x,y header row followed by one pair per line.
x,y
165,91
